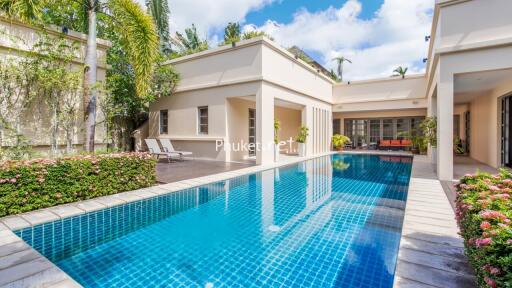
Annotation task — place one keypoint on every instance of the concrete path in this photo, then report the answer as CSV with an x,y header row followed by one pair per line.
x,y
431,251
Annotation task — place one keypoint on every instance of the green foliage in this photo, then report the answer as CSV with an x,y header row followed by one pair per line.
x,y
303,135
339,165
458,146
159,10
138,38
484,213
24,10
338,141
253,34
340,61
401,71
36,184
165,79
429,129
277,127
190,43
232,33
334,76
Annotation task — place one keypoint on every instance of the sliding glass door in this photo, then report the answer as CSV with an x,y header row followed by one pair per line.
x,y
368,132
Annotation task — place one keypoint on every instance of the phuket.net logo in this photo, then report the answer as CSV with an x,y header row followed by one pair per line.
x,y
244,146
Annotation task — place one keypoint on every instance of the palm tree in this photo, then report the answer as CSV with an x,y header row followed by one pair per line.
x,y
190,43
341,60
139,40
159,9
401,71
232,33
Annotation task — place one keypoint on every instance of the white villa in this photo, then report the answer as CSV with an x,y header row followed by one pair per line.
x,y
233,93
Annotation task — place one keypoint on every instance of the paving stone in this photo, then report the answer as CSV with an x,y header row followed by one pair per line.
x,y
109,201
68,283
13,247
24,270
46,278
39,217
143,193
64,211
7,237
18,258
127,197
432,237
15,222
406,283
435,261
432,276
447,223
90,205
456,252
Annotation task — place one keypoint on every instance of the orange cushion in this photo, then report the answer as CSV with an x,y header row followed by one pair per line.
x,y
385,143
395,143
406,143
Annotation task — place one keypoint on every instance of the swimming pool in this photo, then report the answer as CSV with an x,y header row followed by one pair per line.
x,y
333,221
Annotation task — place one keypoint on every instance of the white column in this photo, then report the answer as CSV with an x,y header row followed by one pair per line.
x,y
445,127
307,119
264,126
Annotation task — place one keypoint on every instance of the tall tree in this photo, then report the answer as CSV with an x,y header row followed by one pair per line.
x,y
340,61
138,37
159,9
232,33
190,42
401,71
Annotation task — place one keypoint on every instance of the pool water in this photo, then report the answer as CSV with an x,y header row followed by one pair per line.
x,y
333,221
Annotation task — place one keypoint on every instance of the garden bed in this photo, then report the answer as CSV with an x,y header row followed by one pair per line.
x,y
41,183
484,213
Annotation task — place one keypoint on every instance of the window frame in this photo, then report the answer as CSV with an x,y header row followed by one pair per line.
x,y
200,117
164,124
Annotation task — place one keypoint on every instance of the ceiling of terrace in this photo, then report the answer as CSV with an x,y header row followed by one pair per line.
x,y
471,85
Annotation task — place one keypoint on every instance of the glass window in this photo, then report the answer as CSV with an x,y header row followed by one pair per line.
x,y
374,131
252,131
336,126
402,128
387,129
164,121
203,119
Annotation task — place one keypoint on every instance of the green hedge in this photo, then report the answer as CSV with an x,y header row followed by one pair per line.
x,y
41,183
484,213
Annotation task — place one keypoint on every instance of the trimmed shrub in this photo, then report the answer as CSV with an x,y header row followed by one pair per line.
x,y
484,213
40,183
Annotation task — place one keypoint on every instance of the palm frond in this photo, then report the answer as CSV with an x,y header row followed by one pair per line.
x,y
139,38
24,10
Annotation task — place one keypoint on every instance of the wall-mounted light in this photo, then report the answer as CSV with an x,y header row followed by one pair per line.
x,y
425,60
427,38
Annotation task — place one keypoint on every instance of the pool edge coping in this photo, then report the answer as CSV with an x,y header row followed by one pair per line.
x,y
33,272
419,227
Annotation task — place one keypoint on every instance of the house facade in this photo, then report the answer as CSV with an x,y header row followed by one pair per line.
x,y
232,94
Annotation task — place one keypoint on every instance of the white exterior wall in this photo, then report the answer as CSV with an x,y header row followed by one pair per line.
x,y
218,78
16,38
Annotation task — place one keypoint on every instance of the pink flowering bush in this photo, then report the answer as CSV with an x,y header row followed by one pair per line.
x,y
484,213
40,183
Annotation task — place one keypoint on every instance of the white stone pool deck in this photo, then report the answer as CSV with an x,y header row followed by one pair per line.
x,y
431,252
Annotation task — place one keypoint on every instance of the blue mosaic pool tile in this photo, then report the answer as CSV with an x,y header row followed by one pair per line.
x,y
328,222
